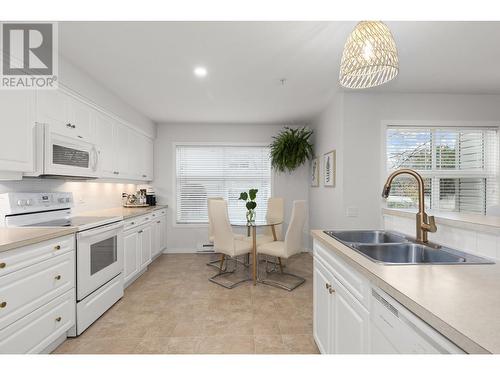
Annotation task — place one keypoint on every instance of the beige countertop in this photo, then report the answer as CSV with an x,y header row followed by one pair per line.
x,y
12,238
462,302
125,212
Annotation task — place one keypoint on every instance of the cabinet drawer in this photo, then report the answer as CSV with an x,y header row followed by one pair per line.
x,y
350,279
136,221
36,331
16,259
158,213
29,288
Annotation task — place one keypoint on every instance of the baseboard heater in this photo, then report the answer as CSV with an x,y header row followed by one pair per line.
x,y
205,248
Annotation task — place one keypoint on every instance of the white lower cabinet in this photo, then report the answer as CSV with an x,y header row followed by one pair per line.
x,y
351,323
144,239
341,323
322,308
37,295
351,316
131,259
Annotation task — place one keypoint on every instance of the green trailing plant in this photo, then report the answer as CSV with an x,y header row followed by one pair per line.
x,y
291,148
249,198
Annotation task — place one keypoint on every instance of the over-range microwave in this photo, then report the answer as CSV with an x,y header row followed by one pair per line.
x,y
57,155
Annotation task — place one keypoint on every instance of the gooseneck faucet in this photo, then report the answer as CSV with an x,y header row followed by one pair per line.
x,y
425,223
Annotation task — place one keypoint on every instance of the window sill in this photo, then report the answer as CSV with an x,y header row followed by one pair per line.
x,y
475,222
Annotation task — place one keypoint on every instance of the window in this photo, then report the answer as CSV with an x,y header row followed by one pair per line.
x,y
205,171
459,166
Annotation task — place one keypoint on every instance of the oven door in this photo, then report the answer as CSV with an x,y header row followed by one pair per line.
x,y
99,257
65,156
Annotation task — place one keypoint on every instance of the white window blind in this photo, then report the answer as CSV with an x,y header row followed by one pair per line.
x,y
459,166
206,171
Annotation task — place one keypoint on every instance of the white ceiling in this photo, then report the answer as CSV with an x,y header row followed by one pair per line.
x,y
149,64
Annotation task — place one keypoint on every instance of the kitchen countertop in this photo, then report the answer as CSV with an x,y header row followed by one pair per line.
x,y
462,302
12,238
125,212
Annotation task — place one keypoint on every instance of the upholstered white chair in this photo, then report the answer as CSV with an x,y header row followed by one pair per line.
x,y
275,211
289,247
225,242
211,231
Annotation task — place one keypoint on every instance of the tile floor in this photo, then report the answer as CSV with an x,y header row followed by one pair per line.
x,y
174,309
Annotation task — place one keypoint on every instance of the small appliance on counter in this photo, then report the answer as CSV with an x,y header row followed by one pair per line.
x,y
142,198
150,197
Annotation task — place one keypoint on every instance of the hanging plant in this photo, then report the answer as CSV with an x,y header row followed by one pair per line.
x,y
291,148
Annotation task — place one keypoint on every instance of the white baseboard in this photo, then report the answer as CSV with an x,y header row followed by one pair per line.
x,y
181,251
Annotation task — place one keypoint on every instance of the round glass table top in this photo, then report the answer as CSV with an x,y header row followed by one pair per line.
x,y
256,223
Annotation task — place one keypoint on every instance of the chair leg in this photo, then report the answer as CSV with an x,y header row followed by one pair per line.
x,y
300,280
215,263
224,271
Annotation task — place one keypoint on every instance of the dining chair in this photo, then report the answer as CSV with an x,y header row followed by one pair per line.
x,y
275,211
225,242
215,263
287,248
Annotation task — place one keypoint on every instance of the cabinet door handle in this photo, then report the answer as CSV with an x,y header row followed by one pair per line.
x,y
331,290
3,304
132,223
58,277
158,222
140,231
58,319
116,172
68,125
144,175
2,265
327,286
57,247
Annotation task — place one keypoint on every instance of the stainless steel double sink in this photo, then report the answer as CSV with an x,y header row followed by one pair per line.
x,y
394,248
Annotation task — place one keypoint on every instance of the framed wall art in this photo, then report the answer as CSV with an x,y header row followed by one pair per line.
x,y
329,169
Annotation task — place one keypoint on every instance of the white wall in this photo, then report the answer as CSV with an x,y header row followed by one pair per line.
x,y
79,81
358,136
290,186
326,202
88,195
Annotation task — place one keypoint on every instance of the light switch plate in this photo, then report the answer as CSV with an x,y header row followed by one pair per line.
x,y
352,211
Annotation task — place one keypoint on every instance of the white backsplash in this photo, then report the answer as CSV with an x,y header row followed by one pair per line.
x,y
471,241
88,195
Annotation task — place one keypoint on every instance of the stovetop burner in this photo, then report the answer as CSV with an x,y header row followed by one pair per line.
x,y
81,222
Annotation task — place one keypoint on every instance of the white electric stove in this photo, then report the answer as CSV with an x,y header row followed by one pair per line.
x,y
99,247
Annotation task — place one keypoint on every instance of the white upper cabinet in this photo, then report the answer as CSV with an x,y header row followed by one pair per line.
x,y
141,160
17,118
65,114
121,151
105,146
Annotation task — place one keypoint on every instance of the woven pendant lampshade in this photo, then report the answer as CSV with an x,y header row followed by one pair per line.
x,y
370,56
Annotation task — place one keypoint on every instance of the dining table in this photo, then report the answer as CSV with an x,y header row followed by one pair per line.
x,y
252,231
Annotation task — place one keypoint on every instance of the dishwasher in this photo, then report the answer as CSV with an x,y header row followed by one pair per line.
x,y
395,330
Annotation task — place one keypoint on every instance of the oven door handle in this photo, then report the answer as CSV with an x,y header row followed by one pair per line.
x,y
99,230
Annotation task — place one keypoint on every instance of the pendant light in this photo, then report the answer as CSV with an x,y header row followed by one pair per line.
x,y
370,56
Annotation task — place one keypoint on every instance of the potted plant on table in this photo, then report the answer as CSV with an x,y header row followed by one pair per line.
x,y
249,198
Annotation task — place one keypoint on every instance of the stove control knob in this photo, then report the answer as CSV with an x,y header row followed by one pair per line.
x,y
29,202
60,200
21,202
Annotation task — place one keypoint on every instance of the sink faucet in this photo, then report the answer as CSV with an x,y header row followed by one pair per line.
x,y
425,223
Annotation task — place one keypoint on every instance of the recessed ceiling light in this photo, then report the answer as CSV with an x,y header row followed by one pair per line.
x,y
200,71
